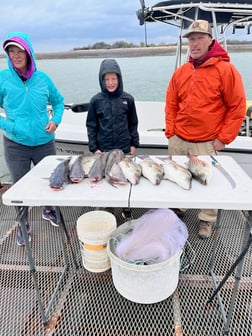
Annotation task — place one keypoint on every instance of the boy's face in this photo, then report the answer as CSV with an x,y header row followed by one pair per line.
x,y
111,81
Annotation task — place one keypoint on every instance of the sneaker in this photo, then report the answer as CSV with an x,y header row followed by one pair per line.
x,y
205,229
50,215
20,238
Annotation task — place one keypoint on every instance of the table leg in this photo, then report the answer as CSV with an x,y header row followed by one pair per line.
x,y
22,220
22,216
62,223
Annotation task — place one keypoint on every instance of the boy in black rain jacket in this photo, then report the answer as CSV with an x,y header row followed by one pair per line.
x,y
112,119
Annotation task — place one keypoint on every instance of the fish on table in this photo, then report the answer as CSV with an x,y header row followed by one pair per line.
x,y
97,171
201,170
116,175
77,172
152,170
87,161
177,173
60,175
117,168
131,170
113,172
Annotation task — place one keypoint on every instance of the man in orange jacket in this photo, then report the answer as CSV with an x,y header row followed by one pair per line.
x,y
205,104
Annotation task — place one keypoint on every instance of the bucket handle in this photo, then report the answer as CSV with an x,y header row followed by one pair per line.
x,y
187,257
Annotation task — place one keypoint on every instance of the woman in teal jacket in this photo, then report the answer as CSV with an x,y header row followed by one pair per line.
x,y
28,128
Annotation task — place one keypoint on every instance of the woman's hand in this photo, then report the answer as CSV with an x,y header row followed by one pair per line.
x,y
51,127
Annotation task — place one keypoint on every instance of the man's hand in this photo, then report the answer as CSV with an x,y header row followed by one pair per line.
x,y
218,145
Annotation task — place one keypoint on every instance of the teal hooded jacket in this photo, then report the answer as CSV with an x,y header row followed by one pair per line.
x,y
25,100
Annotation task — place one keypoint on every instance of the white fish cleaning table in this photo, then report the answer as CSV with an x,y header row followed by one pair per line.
x,y
33,190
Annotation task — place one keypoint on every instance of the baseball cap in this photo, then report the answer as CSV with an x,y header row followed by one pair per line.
x,y
12,43
199,26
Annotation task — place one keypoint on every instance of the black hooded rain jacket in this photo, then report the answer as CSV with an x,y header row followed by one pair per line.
x,y
112,119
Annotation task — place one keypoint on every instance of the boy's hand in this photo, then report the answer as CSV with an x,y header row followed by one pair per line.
x,y
132,150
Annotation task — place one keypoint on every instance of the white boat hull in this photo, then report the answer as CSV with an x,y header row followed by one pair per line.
x,y
151,124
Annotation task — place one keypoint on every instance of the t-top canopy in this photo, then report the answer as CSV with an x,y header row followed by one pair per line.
x,y
182,13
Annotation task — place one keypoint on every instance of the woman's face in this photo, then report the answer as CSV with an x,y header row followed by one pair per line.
x,y
18,59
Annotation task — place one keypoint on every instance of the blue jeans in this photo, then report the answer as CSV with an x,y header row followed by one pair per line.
x,y
20,159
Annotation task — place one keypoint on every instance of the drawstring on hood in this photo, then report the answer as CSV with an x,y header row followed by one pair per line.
x,y
215,50
23,40
110,65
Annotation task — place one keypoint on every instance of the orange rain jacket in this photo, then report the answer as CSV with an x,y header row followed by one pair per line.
x,y
206,102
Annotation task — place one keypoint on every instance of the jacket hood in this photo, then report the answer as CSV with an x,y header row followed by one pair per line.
x,y
110,65
216,50
24,40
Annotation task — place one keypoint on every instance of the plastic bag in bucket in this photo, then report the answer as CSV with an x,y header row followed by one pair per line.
x,y
142,282
94,229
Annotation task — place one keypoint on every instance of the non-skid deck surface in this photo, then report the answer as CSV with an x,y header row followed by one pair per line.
x,y
88,303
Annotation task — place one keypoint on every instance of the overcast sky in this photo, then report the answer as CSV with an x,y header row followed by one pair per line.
x,y
62,25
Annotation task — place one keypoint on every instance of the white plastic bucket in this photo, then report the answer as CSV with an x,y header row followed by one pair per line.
x,y
143,283
94,229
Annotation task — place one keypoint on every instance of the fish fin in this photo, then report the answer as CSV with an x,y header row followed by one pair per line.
x,y
111,183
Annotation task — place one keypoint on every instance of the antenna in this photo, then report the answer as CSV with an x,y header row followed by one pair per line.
x,y
143,21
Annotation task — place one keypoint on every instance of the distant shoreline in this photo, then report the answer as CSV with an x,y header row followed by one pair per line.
x,y
105,53
127,52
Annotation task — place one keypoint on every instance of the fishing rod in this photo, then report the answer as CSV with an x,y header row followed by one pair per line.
x,y
77,108
82,107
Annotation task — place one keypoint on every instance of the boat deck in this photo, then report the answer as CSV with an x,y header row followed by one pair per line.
x,y
88,303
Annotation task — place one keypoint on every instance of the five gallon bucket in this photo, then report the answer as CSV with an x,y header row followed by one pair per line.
x,y
143,283
94,229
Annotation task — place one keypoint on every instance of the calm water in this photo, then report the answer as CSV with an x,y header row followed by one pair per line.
x,y
146,78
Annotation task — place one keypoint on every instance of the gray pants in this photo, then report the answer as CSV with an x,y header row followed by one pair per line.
x,y
20,158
